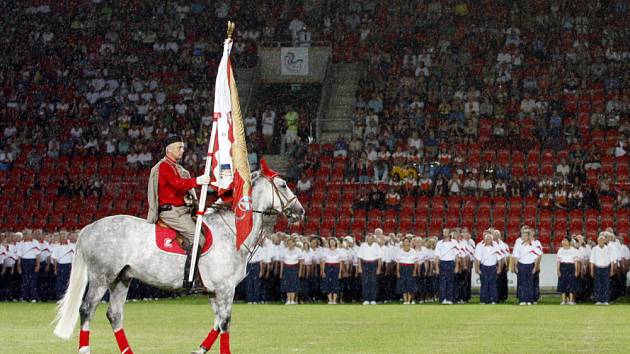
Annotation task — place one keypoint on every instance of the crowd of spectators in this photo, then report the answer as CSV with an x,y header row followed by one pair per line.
x,y
458,98
487,99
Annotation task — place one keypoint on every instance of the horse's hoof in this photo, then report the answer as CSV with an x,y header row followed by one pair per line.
x,y
84,350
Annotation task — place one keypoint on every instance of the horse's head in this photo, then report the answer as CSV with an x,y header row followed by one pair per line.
x,y
271,193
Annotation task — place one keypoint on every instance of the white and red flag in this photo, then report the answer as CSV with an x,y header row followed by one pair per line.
x,y
230,175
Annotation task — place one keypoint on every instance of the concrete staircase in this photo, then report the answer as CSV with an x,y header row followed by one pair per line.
x,y
245,84
337,115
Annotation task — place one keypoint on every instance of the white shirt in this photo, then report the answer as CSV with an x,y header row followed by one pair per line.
x,y
408,257
602,256
11,256
569,255
307,257
45,251
291,257
64,253
28,249
446,250
261,255
527,254
330,256
488,255
3,254
274,252
505,249
370,252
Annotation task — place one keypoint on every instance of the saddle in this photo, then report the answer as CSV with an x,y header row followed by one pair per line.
x,y
179,239
177,244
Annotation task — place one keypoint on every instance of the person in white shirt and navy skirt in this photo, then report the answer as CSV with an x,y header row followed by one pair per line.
x,y
255,273
331,265
488,257
289,270
568,271
602,261
28,266
406,270
446,252
368,266
62,256
527,256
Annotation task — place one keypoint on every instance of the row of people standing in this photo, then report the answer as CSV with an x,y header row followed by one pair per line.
x,y
35,266
391,267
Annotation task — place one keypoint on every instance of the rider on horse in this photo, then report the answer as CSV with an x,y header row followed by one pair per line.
x,y
172,195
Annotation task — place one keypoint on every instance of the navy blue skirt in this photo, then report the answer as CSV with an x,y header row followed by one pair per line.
x,y
407,282
567,283
290,281
330,283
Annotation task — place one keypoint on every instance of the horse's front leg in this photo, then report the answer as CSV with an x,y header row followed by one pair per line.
x,y
222,307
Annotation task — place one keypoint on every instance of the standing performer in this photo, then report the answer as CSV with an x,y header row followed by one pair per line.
x,y
28,266
331,271
528,257
369,266
62,257
502,277
406,270
172,196
289,270
488,265
568,270
602,269
255,273
446,253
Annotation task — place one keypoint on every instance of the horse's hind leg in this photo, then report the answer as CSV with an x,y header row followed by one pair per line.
x,y
222,307
94,294
117,296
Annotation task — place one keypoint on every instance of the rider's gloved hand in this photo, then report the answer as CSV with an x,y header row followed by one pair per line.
x,y
203,179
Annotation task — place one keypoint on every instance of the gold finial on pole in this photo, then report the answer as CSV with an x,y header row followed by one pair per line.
x,y
230,29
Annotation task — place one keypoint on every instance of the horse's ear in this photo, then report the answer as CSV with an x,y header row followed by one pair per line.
x,y
266,171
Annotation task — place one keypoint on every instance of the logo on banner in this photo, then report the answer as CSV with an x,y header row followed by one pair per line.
x,y
294,61
244,205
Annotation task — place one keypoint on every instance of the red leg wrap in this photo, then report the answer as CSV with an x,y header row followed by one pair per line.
x,y
84,339
225,343
123,345
209,341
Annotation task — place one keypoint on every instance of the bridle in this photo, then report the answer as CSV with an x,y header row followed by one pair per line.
x,y
285,203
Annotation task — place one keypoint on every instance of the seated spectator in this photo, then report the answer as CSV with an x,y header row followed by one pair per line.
x,y
500,188
575,197
304,184
392,199
454,185
486,186
623,200
341,147
362,200
381,171
563,168
376,198
561,198
425,185
545,199
620,148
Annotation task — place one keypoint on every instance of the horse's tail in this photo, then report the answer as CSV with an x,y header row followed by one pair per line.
x,y
68,307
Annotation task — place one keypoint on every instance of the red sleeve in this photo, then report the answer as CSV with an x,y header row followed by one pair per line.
x,y
169,175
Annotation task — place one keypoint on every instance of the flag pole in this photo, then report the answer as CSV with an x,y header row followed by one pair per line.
x,y
204,188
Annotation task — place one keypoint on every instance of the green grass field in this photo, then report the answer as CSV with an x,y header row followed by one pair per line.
x,y
178,326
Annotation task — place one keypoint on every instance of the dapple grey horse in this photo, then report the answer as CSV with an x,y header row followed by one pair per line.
x,y
113,250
